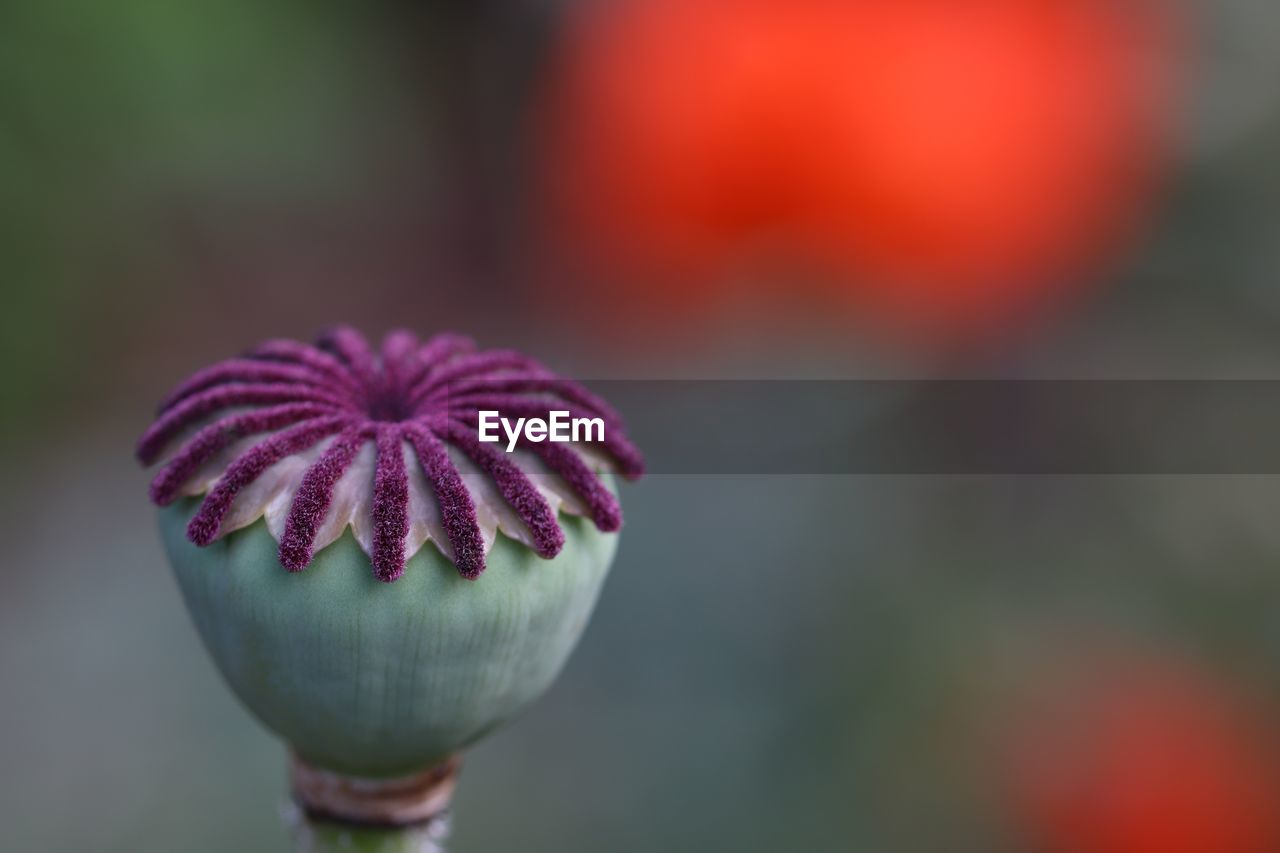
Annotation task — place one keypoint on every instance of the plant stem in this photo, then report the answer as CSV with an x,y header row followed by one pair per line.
x,y
316,835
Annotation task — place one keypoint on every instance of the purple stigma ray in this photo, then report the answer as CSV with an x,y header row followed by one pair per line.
x,y
351,348
204,526
441,348
421,393
516,488
311,501
232,394
390,505
603,506
399,359
474,365
220,435
566,390
244,370
457,510
436,353
293,352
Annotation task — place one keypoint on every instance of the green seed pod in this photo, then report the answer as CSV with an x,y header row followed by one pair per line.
x,y
375,679
379,579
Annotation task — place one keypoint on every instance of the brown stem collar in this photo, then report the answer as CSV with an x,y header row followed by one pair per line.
x,y
399,801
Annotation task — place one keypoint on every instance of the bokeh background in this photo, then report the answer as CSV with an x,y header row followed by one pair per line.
x,y
649,189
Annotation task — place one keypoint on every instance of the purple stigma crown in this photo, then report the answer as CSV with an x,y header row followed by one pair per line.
x,y
314,439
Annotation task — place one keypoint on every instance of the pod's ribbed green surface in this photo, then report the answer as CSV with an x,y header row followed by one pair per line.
x,y
374,679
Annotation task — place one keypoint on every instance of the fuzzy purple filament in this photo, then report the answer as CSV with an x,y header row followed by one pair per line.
x,y
516,488
207,522
218,435
423,395
456,507
311,501
390,504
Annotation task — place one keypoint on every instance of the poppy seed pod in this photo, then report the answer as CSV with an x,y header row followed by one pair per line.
x,y
376,583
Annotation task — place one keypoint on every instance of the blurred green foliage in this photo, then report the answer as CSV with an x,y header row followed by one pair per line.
x,y
110,111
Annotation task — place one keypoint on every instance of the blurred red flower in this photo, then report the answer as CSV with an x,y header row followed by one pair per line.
x,y
944,163
1145,756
